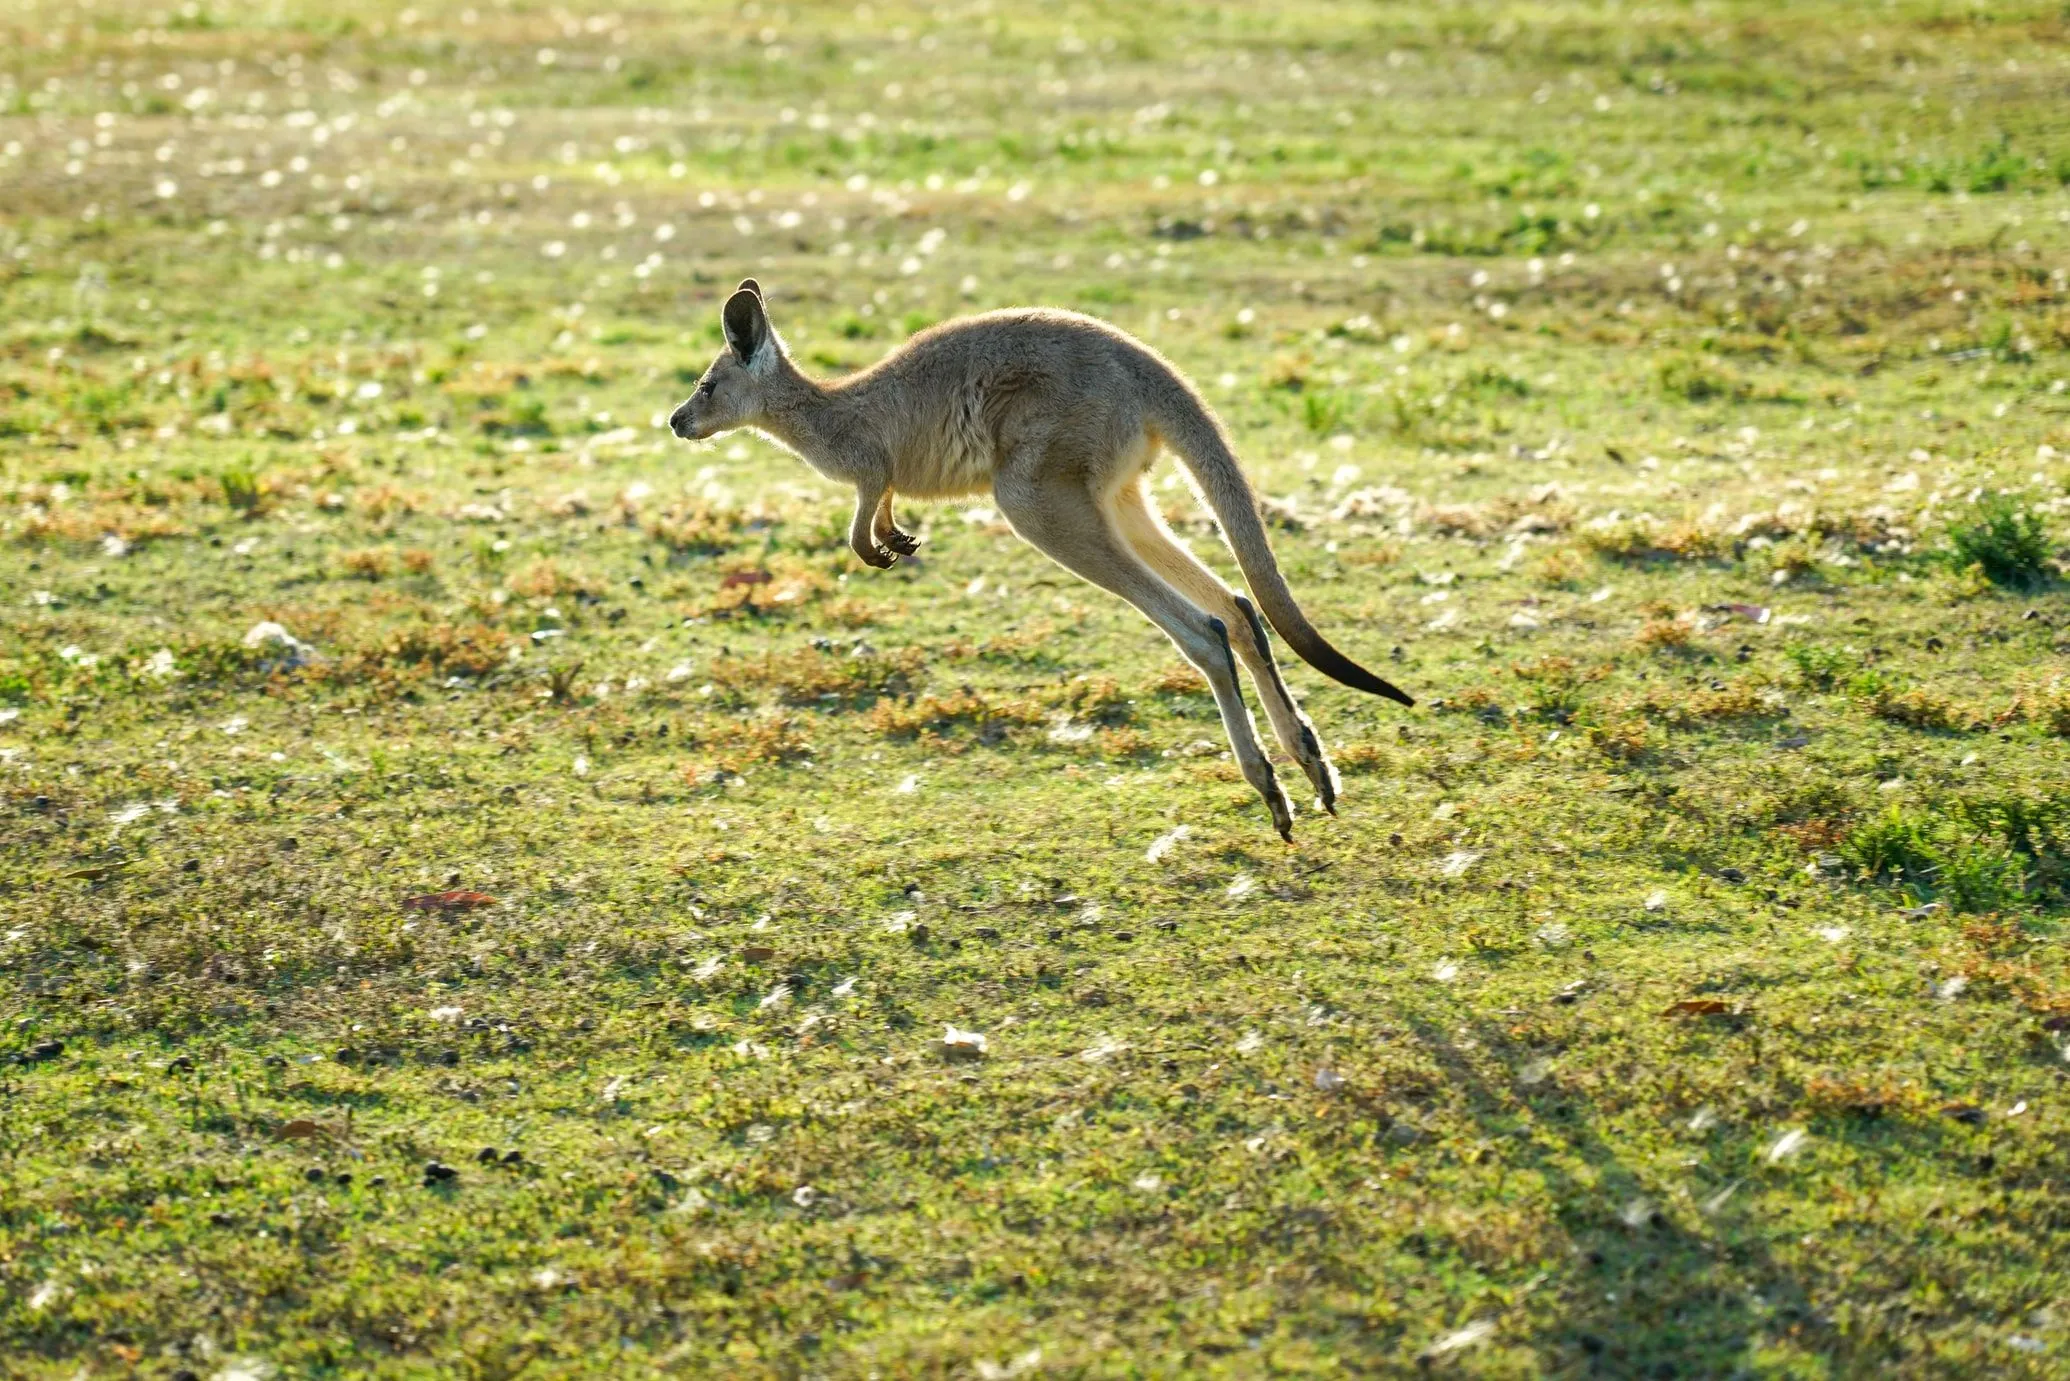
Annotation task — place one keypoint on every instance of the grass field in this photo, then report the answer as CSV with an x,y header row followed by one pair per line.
x,y
483,884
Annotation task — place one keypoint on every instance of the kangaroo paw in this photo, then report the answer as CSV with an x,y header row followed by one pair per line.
x,y
904,543
1318,770
1282,809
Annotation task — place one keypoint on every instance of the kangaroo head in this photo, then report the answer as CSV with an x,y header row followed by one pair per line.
x,y
735,391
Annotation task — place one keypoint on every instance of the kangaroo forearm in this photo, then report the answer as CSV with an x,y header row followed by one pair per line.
x,y
870,501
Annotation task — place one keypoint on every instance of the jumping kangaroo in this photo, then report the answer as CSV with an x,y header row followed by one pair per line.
x,y
1059,416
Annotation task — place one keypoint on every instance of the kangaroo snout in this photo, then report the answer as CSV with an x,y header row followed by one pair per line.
x,y
679,423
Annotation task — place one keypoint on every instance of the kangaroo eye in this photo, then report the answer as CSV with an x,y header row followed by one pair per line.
x,y
705,386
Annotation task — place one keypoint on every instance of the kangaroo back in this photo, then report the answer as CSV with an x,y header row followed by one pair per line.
x,y
1190,429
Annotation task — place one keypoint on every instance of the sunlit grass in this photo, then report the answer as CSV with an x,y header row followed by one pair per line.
x,y
490,888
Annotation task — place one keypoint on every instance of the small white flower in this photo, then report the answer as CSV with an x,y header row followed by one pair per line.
x,y
963,1045
1787,1145
1241,886
1164,843
1480,1330
445,1014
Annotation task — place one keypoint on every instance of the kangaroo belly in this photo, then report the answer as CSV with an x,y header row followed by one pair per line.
x,y
956,456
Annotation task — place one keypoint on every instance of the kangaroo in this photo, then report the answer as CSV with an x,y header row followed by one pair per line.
x,y
1058,416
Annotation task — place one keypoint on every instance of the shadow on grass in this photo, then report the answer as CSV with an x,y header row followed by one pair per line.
x,y
1649,1291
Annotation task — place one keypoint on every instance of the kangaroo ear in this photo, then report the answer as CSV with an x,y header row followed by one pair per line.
x,y
749,285
747,326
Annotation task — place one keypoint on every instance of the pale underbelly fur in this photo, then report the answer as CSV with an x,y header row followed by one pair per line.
x,y
952,461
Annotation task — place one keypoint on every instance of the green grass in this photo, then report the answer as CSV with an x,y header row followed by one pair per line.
x,y
1672,398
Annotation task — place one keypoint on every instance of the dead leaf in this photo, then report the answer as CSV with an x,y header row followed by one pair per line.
x,y
1968,1113
735,579
1697,1007
97,872
449,901
757,954
301,1129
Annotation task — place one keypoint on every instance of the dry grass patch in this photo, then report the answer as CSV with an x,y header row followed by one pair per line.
x,y
380,502
1019,647
1844,1096
1562,568
1179,680
1917,708
1622,738
1664,635
1716,703
1359,759
747,590
439,649
850,612
1096,698
735,744
546,578
938,715
696,528
1647,539
367,563
128,523
811,676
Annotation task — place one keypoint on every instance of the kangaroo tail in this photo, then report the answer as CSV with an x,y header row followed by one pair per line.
x,y
1191,430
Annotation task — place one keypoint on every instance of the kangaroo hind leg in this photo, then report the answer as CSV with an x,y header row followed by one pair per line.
x,y
1145,531
1062,518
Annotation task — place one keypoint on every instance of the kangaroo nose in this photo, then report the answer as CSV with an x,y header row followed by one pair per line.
x,y
679,421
